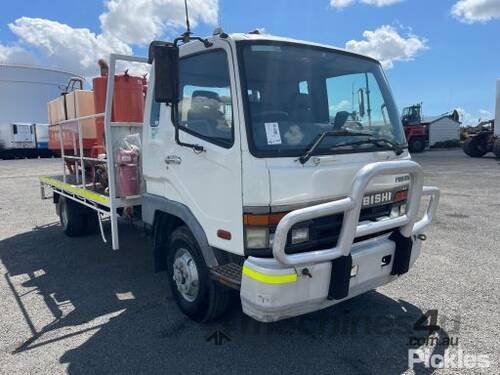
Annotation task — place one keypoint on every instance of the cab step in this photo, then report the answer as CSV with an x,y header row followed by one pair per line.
x,y
228,275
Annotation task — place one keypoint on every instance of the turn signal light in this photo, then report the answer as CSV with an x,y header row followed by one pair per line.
x,y
401,196
224,234
263,220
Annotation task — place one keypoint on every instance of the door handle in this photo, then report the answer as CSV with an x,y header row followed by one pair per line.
x,y
172,159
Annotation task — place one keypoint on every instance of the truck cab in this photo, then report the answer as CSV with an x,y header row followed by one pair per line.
x,y
279,168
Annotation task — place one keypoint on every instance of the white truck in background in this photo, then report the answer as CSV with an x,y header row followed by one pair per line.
x,y
273,166
23,140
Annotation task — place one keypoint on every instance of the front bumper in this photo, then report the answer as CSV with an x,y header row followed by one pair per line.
x,y
294,284
285,291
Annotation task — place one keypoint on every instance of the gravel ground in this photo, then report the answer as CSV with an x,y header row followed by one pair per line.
x,y
74,305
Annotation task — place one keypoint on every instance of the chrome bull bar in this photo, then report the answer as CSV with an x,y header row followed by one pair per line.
x,y
351,208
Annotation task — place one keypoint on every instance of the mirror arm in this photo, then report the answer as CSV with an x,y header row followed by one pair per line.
x,y
187,37
174,111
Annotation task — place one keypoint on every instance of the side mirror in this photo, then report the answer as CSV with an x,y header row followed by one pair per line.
x,y
361,101
166,64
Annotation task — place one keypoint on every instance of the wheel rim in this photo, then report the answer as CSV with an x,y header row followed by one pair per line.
x,y
185,275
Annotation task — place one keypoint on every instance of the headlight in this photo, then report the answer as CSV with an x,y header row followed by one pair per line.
x,y
257,237
300,235
394,211
397,211
258,230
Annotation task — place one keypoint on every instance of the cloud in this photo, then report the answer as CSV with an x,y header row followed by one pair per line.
x,y
471,11
73,49
15,55
381,3
485,114
343,105
467,118
340,4
387,45
156,18
61,46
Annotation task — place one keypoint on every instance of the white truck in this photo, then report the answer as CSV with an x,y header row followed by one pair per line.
x,y
17,139
273,166
23,140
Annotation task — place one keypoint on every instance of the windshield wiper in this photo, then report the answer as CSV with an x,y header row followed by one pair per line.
x,y
398,150
380,142
329,133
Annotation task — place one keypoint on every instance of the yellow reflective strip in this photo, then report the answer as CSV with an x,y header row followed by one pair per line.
x,y
269,279
75,190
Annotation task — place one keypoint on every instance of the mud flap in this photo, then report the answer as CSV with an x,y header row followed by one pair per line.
x,y
340,277
402,254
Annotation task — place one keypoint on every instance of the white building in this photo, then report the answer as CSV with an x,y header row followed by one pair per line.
x,y
24,93
442,128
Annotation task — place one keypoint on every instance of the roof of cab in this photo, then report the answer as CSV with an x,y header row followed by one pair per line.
x,y
267,37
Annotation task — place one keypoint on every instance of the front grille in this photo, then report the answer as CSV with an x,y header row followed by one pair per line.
x,y
324,232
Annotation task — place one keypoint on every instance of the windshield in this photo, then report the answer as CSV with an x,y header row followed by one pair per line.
x,y
295,93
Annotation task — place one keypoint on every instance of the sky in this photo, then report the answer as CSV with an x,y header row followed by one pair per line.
x,y
444,53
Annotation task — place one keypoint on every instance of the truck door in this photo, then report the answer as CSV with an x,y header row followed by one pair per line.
x,y
207,182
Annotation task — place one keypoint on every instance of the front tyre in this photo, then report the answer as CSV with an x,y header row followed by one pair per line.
x,y
416,145
194,292
473,148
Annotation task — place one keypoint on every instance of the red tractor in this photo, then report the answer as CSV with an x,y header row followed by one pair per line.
x,y
417,128
417,133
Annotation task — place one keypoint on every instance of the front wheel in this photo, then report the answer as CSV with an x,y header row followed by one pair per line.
x,y
194,292
473,148
416,145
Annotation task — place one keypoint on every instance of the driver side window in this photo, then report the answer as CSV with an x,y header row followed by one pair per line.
x,y
206,108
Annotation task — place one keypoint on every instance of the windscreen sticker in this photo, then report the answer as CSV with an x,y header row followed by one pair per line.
x,y
273,133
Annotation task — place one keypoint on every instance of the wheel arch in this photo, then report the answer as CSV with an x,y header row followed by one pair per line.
x,y
165,215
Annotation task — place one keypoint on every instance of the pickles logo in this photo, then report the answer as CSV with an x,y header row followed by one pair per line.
x,y
452,358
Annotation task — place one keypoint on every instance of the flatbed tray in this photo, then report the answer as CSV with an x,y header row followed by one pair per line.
x,y
88,192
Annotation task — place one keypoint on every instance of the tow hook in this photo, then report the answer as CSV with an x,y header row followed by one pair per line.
x,y
306,272
422,237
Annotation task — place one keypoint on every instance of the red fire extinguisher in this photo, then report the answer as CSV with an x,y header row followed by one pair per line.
x,y
128,171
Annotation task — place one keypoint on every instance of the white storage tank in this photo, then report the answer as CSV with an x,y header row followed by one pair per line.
x,y
24,93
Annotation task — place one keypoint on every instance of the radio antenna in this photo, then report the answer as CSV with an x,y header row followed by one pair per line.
x,y
186,36
188,26
220,17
